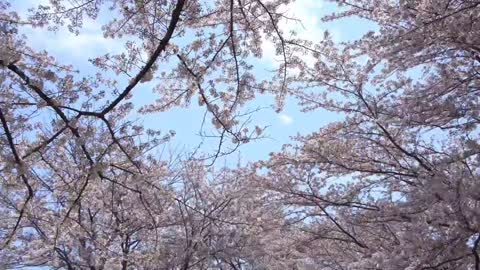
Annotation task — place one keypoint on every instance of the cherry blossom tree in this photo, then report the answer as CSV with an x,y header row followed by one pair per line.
x,y
162,219
394,185
81,186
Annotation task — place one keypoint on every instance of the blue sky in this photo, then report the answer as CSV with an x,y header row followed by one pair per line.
x,y
186,121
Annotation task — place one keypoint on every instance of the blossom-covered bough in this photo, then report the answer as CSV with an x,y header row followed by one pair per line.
x,y
81,187
393,185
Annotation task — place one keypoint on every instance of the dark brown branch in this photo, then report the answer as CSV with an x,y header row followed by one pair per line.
x,y
234,53
283,45
205,99
44,143
21,167
160,48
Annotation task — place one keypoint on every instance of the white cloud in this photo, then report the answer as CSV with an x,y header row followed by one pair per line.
x,y
88,44
285,119
308,27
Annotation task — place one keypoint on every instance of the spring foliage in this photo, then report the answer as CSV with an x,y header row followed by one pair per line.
x,y
392,185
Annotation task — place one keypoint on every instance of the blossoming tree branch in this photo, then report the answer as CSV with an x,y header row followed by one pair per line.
x,y
393,184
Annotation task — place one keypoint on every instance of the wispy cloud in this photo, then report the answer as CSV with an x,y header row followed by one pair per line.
x,y
285,119
88,44
308,13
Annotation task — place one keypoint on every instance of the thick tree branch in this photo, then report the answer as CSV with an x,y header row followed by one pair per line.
x,y
21,171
